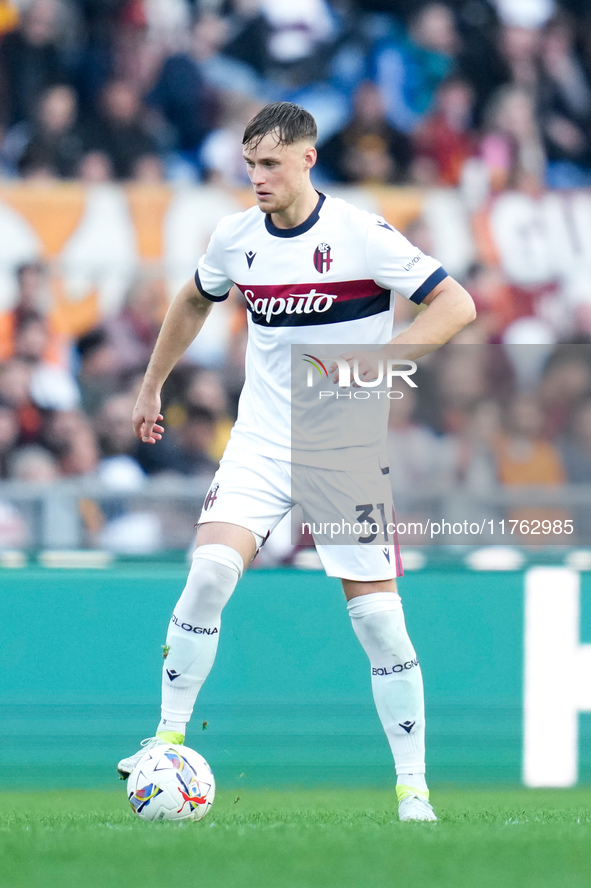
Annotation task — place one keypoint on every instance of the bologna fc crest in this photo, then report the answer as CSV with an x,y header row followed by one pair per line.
x,y
322,258
211,496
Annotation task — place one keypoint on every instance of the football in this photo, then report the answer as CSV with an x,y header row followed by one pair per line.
x,y
171,782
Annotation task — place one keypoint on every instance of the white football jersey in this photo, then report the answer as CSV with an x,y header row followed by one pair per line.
x,y
329,280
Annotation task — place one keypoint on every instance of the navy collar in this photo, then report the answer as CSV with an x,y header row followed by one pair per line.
x,y
299,229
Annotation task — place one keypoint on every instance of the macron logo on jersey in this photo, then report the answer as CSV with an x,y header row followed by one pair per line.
x,y
250,257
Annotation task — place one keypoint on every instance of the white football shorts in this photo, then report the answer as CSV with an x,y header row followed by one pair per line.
x,y
256,492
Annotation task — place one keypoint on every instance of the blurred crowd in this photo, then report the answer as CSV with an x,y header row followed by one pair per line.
x,y
488,421
404,92
484,416
65,407
423,93
65,414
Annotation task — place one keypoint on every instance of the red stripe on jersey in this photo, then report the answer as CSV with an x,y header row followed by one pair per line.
x,y
312,304
341,290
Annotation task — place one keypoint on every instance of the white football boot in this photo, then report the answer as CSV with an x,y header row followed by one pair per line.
x,y
414,807
126,765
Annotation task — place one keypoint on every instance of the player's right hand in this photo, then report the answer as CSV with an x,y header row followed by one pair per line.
x,y
146,417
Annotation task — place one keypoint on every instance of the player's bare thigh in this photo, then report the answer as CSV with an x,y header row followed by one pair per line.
x,y
242,541
353,588
238,538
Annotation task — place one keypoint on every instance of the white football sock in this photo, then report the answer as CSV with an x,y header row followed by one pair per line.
x,y
193,633
397,684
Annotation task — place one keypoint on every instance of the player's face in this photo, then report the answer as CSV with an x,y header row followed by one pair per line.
x,y
279,173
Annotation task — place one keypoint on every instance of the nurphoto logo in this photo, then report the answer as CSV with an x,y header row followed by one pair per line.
x,y
388,371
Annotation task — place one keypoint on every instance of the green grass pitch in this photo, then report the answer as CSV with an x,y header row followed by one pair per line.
x,y
346,838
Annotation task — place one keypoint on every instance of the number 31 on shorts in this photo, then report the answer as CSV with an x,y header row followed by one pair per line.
x,y
369,524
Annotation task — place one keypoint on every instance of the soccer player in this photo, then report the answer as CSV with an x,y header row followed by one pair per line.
x,y
312,269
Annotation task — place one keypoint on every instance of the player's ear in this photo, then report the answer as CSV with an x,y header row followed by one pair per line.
x,y
310,157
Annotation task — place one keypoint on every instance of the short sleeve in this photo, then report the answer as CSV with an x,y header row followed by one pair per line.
x,y
395,264
210,277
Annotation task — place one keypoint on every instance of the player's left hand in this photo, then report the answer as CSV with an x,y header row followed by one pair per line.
x,y
156,433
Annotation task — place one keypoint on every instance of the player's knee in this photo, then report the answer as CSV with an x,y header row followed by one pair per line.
x,y
215,570
221,555
378,621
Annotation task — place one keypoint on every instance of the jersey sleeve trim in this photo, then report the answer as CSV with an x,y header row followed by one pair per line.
x,y
205,293
438,275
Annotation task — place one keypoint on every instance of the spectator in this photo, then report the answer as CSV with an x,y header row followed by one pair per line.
x,y
15,390
95,168
182,94
480,60
511,145
126,40
37,167
520,49
148,169
98,375
412,458
119,131
60,426
30,60
444,140
33,464
53,137
221,155
141,34
460,381
369,149
525,458
410,65
205,389
196,437
133,332
118,467
35,296
299,39
565,107
249,32
9,435
113,429
51,386
69,436
566,380
33,291
94,64
467,465
78,454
